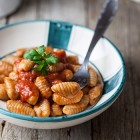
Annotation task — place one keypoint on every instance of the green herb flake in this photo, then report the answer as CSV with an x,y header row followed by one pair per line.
x,y
41,50
51,60
41,59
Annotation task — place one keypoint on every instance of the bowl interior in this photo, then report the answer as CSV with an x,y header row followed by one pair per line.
x,y
74,38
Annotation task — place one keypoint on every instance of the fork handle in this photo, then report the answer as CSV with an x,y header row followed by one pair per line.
x,y
108,12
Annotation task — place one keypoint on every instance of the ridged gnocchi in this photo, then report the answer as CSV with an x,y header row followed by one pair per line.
x,y
3,93
57,67
38,82
66,89
27,91
33,98
94,94
43,108
43,86
93,77
56,110
67,74
5,68
26,65
60,100
10,88
13,75
19,107
11,59
77,107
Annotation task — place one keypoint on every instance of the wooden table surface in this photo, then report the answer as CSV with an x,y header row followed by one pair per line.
x,y
122,120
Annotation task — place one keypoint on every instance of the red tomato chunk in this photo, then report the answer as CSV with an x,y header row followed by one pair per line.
x,y
25,89
31,75
17,64
54,78
56,81
60,54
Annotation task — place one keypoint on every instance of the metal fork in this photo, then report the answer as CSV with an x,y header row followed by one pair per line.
x,y
108,12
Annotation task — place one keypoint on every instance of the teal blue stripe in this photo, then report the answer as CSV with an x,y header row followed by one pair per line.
x,y
110,84
59,34
6,55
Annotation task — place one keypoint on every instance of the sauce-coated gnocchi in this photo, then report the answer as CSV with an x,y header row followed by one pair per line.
x,y
37,82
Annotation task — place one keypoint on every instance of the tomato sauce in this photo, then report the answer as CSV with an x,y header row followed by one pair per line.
x,y
56,81
61,55
16,63
25,89
54,78
69,66
30,75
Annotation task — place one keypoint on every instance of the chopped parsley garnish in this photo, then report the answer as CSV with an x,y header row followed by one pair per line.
x,y
40,58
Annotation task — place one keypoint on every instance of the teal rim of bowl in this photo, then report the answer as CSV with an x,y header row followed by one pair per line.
x,y
78,115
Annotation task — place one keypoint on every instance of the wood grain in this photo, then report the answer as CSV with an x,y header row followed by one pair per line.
x,y
122,120
123,116
13,132
66,10
27,11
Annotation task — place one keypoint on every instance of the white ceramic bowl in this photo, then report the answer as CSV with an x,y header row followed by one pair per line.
x,y
75,38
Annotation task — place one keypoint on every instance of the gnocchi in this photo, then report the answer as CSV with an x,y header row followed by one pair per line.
x,y
20,52
3,93
19,107
72,59
11,59
49,49
67,74
86,90
25,65
74,68
92,77
10,88
5,68
38,82
28,91
60,100
57,67
44,86
42,108
66,89
77,107
56,110
2,78
94,94
13,75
